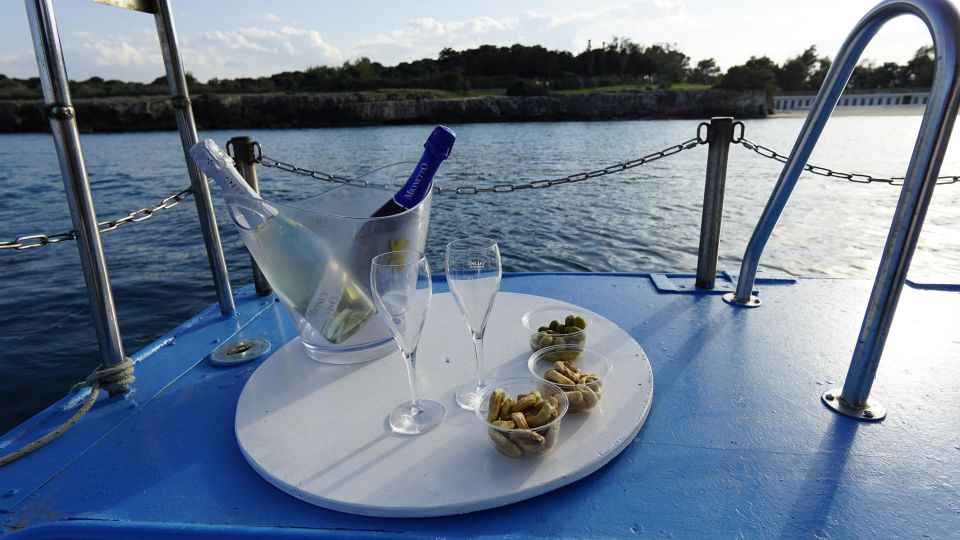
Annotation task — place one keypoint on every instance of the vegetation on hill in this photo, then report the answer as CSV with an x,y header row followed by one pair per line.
x,y
806,71
522,70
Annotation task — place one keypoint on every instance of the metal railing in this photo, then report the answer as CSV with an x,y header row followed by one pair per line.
x,y
66,138
63,124
943,21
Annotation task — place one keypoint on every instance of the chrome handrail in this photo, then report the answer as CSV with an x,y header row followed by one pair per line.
x,y
943,21
177,81
63,124
66,137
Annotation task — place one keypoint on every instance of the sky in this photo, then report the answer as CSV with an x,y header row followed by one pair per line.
x,y
243,38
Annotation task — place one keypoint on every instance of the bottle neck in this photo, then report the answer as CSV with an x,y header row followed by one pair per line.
x,y
420,182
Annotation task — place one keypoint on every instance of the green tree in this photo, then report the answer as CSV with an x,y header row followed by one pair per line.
x,y
669,64
919,70
796,72
705,72
755,74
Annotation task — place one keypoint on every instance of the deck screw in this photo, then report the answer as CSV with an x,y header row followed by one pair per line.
x,y
829,397
868,414
239,348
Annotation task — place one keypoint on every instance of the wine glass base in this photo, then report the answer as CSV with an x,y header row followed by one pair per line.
x,y
468,395
404,419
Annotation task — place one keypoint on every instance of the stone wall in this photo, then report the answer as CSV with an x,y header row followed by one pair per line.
x,y
150,113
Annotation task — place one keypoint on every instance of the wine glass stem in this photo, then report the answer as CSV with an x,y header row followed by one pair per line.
x,y
478,346
410,359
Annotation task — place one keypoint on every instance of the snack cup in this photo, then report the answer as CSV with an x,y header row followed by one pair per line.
x,y
581,396
522,443
544,334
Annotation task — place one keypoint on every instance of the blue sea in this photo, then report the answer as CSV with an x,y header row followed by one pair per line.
x,y
644,219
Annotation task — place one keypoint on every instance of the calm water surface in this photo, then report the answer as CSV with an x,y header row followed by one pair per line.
x,y
645,219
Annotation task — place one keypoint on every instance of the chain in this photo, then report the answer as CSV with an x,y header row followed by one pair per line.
x,y
858,178
38,240
497,188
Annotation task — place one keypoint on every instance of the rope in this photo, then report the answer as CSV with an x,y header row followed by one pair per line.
x,y
115,380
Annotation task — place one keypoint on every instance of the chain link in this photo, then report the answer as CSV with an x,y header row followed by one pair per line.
x,y
497,188
858,178
38,240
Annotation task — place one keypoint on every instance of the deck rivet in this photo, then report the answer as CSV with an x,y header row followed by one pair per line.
x,y
239,351
10,493
829,397
868,413
239,348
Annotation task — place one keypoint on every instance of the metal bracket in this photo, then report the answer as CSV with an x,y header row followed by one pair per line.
x,y
687,284
61,112
181,102
872,411
753,301
145,6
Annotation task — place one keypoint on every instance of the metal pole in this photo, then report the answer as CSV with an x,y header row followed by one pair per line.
x,y
176,78
243,155
943,21
719,136
63,124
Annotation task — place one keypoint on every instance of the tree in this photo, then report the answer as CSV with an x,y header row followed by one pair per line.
x,y
795,72
670,65
454,82
919,70
817,77
705,72
756,74
869,75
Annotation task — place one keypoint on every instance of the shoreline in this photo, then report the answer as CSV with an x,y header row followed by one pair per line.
x,y
308,110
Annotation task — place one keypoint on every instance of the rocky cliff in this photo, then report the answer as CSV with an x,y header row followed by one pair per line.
x,y
149,113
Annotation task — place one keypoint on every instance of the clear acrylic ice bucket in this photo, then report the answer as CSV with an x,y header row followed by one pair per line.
x,y
316,255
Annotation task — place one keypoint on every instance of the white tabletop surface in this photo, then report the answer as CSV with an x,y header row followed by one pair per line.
x,y
319,431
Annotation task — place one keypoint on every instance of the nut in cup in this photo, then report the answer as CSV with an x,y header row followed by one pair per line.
x,y
557,325
536,406
580,381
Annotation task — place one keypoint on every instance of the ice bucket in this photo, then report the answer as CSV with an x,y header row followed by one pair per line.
x,y
316,255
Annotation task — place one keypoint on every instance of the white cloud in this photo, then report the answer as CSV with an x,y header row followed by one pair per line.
x,y
424,37
87,55
254,51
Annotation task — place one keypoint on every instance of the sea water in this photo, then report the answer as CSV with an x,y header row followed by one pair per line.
x,y
644,219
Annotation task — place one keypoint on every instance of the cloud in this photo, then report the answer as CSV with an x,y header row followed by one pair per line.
x,y
424,37
243,52
269,17
115,50
254,51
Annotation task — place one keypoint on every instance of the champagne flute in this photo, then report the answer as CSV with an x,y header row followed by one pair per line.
x,y
473,274
401,287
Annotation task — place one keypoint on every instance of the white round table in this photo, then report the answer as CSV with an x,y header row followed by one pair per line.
x,y
319,431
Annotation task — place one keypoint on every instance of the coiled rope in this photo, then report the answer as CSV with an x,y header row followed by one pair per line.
x,y
115,380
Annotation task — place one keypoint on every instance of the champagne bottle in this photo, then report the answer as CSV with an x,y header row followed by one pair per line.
x,y
435,150
301,266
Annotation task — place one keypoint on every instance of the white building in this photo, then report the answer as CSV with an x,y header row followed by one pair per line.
x,y
879,99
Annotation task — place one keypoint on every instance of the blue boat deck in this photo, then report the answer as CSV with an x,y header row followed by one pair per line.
x,y
736,443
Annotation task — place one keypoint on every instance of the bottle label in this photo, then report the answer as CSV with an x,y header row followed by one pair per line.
x,y
325,298
216,164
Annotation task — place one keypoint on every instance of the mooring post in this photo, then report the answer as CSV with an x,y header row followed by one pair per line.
x,y
719,135
245,156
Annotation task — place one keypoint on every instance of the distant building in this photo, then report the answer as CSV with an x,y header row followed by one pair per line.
x,y
877,99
